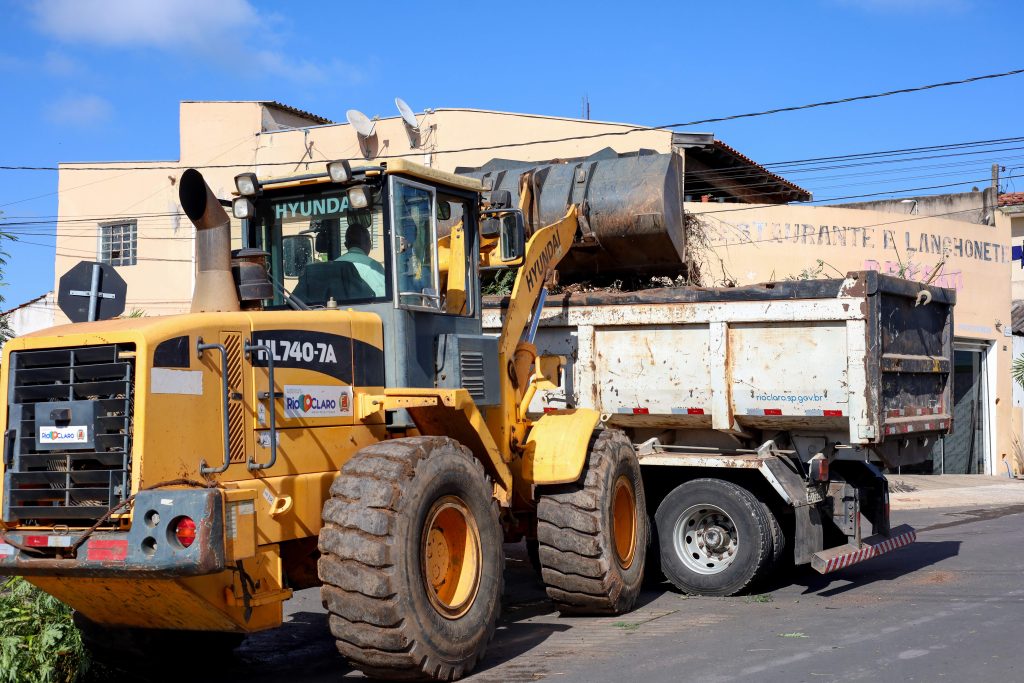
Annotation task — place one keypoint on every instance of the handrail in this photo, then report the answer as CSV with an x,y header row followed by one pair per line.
x,y
253,349
226,391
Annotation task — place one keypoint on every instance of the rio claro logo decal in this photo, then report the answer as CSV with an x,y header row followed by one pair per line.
x,y
306,400
74,434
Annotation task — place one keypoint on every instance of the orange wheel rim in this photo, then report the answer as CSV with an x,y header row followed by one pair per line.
x,y
624,521
450,550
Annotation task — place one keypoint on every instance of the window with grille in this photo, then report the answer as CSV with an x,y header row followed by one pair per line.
x,y
118,244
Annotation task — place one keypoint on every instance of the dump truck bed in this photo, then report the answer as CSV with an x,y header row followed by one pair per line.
x,y
865,358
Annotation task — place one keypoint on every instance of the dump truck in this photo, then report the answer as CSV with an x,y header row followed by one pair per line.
x,y
786,398
174,479
764,416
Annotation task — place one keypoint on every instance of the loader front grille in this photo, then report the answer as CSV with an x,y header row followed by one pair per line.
x,y
69,484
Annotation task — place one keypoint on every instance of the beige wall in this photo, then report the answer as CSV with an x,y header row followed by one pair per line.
x,y
231,133
751,245
1013,216
777,242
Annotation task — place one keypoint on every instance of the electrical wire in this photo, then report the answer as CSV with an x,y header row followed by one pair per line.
x,y
589,136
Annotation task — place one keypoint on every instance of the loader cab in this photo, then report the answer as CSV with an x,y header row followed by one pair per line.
x,y
401,241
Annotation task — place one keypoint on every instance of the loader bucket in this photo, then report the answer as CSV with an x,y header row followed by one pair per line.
x,y
631,209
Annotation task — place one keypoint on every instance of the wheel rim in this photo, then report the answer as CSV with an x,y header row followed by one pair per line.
x,y
624,521
450,549
706,539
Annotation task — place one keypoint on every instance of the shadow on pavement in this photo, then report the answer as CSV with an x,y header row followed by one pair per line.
x,y
889,567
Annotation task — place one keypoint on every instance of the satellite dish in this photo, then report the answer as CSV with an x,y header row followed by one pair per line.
x,y
405,111
361,122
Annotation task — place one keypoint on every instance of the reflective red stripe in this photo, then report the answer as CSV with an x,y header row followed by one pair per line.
x,y
37,541
550,410
694,411
832,413
773,411
641,411
105,550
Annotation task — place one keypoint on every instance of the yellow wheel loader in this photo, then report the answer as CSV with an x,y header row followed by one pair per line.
x,y
329,413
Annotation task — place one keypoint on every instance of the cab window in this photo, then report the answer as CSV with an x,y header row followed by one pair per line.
x,y
414,224
322,249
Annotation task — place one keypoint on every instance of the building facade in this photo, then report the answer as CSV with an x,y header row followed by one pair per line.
x,y
127,214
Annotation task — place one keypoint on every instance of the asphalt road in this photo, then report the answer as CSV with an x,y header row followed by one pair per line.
x,y
950,607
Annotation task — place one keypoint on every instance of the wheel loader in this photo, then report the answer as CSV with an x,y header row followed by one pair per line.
x,y
328,414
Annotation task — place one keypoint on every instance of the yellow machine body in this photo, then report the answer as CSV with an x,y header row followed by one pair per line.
x,y
186,440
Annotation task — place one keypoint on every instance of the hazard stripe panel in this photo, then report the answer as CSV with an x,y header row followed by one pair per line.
x,y
845,556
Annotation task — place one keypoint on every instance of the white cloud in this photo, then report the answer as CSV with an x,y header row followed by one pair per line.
x,y
59,64
143,23
80,111
214,30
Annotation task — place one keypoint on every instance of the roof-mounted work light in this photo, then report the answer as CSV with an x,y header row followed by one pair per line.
x,y
247,184
340,171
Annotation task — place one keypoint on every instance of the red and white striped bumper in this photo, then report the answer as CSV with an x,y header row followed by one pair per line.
x,y
846,555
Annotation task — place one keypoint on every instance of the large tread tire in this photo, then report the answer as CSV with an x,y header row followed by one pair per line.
x,y
580,565
148,654
371,562
755,547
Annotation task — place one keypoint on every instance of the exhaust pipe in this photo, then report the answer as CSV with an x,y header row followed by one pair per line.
x,y
215,287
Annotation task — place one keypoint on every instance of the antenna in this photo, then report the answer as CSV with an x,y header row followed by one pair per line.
x,y
361,122
405,111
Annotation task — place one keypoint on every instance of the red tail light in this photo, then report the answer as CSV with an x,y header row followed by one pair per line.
x,y
818,467
185,531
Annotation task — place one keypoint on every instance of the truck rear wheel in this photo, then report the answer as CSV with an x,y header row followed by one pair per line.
x,y
716,537
593,533
411,559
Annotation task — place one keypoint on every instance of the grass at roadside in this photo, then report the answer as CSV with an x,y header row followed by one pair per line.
x,y
38,641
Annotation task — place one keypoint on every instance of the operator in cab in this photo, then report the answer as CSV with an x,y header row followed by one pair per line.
x,y
357,249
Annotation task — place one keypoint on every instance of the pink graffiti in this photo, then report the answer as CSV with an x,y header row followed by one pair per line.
x,y
949,279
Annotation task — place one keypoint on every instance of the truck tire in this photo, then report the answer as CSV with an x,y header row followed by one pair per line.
x,y
716,537
411,559
152,653
593,534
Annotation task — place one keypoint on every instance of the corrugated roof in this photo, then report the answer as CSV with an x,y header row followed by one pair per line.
x,y
1011,199
26,304
1017,317
774,176
298,112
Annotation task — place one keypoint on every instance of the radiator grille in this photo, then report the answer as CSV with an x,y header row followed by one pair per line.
x,y
471,367
69,486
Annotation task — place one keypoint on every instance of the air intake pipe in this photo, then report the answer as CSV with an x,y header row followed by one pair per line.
x,y
215,287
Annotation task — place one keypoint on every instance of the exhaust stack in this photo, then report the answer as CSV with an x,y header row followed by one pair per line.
x,y
215,287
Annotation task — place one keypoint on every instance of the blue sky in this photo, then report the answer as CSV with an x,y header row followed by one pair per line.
x,y
94,80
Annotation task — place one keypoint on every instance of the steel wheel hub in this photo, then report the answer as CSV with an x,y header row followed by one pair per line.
x,y
705,539
451,557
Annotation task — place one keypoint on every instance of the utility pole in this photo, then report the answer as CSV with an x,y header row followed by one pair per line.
x,y
995,178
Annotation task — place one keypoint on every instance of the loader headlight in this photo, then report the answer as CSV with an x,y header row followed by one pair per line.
x,y
359,197
247,184
340,171
242,207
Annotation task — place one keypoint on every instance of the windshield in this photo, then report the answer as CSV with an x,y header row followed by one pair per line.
x,y
321,249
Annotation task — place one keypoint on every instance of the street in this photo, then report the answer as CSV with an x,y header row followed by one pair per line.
x,y
946,608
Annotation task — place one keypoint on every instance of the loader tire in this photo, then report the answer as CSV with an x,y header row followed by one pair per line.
x,y
143,653
716,537
411,560
593,533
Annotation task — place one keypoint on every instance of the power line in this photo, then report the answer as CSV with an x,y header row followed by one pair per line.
x,y
589,136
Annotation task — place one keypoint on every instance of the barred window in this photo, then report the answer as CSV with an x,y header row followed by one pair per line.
x,y
118,244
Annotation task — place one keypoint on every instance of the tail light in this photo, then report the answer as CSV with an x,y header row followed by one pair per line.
x,y
818,469
185,531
